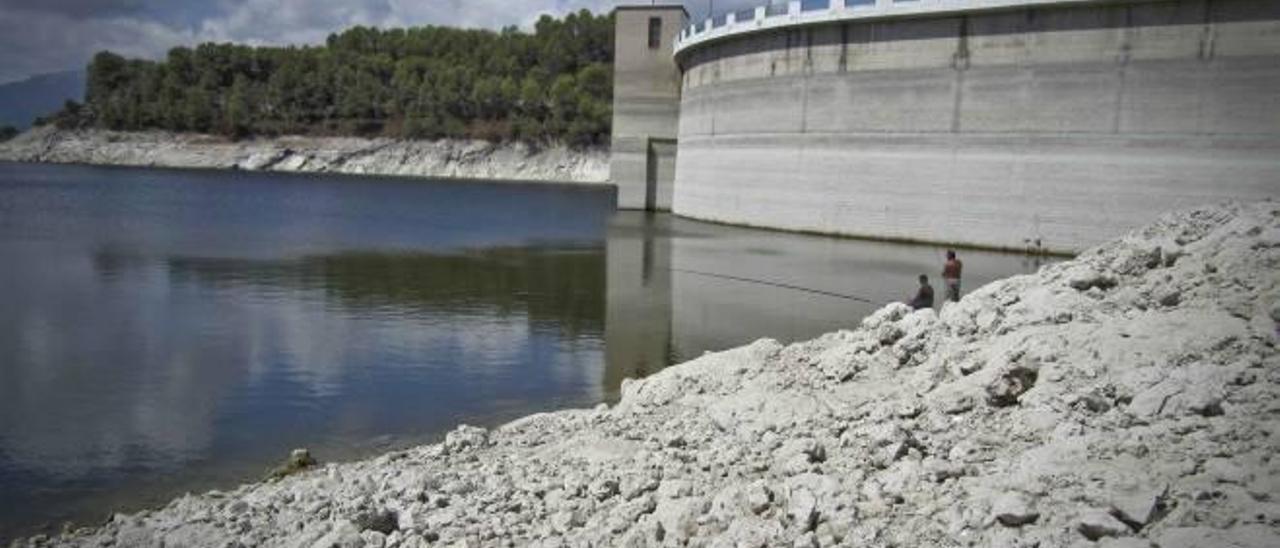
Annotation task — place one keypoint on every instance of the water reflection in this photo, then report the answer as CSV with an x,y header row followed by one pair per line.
x,y
164,331
558,289
679,288
213,367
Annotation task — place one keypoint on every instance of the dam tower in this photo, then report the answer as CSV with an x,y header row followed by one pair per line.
x,y
1048,125
646,104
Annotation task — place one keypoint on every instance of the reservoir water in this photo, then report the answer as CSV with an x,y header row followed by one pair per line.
x,y
171,331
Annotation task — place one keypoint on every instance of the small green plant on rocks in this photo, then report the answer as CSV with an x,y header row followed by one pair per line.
x,y
300,460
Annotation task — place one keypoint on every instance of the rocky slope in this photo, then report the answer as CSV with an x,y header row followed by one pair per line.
x,y
1128,398
464,159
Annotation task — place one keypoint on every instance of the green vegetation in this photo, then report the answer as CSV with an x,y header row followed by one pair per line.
x,y
300,460
429,82
8,132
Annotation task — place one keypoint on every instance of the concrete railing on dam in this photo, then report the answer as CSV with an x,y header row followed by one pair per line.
x,y
775,14
1051,123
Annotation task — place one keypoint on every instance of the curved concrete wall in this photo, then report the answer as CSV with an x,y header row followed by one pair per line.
x,y
1063,124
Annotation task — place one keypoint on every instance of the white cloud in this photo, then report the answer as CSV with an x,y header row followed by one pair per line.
x,y
290,21
309,21
41,42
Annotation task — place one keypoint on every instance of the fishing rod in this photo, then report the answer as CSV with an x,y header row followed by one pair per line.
x,y
777,284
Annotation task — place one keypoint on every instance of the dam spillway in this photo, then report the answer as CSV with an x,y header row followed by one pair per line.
x,y
1046,124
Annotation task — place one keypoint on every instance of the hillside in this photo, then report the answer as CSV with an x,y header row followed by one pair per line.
x,y
551,85
22,102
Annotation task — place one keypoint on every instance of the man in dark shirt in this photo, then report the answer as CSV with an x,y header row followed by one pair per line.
x,y
951,276
924,297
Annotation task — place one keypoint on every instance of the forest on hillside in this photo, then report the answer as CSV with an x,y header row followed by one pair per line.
x,y
554,84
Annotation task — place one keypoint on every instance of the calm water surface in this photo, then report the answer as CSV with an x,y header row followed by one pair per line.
x,y
171,331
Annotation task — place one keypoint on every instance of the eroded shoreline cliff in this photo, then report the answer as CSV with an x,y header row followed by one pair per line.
x,y
348,155
1127,398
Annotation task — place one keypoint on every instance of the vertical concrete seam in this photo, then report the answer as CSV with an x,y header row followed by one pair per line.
x,y
1208,35
1122,65
808,51
804,120
844,48
1206,55
805,74
960,62
712,107
786,54
804,104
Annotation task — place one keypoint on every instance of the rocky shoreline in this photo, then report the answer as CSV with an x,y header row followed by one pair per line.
x,y
444,158
1127,398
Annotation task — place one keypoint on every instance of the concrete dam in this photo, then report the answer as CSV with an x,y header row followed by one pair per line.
x,y
1050,125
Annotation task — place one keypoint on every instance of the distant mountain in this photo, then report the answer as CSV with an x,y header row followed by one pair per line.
x,y
22,102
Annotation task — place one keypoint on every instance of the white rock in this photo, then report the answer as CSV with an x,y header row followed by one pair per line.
x,y
678,518
1138,507
1014,509
1226,471
807,540
671,489
373,539
802,509
565,521
343,535
759,497
1097,524
465,438
1248,536
1085,278
1011,385
1126,542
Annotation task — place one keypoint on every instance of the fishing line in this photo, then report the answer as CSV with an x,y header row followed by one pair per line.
x,y
777,284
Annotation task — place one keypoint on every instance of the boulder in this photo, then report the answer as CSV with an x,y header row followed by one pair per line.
x,y
759,497
1139,508
678,519
465,438
1098,524
802,509
382,521
1015,381
344,534
1085,278
1013,509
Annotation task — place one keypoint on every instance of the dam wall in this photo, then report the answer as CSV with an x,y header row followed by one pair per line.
x,y
1042,125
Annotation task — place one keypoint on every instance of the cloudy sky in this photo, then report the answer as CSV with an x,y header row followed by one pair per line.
x,y
42,36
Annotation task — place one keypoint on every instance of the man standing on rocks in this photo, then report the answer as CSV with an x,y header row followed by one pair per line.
x,y
951,276
924,297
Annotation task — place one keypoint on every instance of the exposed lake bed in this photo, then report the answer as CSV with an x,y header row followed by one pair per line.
x,y
171,331
300,154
